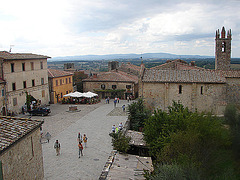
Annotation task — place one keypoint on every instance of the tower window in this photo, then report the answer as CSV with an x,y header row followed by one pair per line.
x,y
180,89
223,47
201,89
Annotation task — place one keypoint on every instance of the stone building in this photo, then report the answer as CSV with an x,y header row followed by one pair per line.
x,y
24,73
60,83
195,87
20,148
112,84
3,105
69,67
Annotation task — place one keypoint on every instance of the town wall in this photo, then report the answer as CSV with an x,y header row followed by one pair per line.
x,y
23,160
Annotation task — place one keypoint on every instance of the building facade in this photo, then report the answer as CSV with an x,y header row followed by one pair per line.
x,y
60,83
20,148
112,84
24,73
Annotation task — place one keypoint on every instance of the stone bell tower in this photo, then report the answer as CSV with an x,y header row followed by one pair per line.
x,y
223,50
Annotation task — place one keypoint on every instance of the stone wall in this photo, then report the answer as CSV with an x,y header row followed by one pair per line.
x,y
23,160
233,90
203,97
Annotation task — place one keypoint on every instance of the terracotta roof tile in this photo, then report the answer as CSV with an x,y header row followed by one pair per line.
x,y
13,129
57,73
177,64
19,56
114,75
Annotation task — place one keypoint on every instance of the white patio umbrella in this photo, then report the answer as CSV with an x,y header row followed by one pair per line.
x,y
67,95
89,94
77,94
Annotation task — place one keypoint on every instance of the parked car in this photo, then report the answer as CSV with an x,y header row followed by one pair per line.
x,y
43,111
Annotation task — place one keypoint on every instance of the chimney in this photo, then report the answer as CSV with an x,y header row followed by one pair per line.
x,y
192,63
94,75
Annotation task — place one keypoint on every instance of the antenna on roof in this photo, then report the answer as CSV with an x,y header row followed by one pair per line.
x,y
11,48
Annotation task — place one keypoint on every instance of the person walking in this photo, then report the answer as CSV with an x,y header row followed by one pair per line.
x,y
115,102
79,137
120,126
48,136
123,108
85,140
57,147
80,149
113,128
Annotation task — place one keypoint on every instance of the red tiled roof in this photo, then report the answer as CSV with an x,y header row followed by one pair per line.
x,y
13,129
114,75
177,64
131,66
185,76
20,56
57,73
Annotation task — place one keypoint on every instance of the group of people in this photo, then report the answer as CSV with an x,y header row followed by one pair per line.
x,y
116,129
80,139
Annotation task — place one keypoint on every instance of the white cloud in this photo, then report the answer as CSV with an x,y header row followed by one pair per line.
x,y
73,27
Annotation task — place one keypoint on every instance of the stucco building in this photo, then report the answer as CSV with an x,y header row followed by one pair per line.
x,y
24,73
112,84
20,148
195,87
60,83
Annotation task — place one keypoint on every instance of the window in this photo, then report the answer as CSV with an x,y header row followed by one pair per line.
x,y
63,81
33,82
103,86
223,46
3,92
114,86
24,84
66,81
12,67
14,101
128,86
201,89
66,92
43,93
60,81
23,66
42,81
61,95
41,65
70,80
180,89
32,66
13,86
56,82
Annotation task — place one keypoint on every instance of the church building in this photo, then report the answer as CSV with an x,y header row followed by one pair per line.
x,y
197,88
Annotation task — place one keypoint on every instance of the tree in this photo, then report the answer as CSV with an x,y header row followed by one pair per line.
x,y
137,114
120,142
189,138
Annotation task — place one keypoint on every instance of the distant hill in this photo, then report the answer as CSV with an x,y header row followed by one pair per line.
x,y
128,56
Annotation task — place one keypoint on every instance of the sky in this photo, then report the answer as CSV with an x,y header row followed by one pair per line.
x,y
83,27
